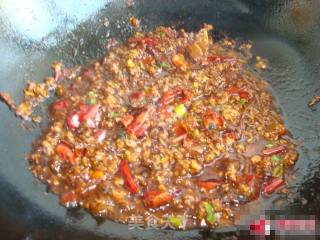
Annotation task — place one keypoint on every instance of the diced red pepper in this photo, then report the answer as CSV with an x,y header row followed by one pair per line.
x,y
100,135
186,96
137,96
68,198
244,95
208,184
180,132
90,111
144,40
221,59
140,131
86,112
137,127
154,199
272,186
128,178
166,111
169,96
73,120
212,118
65,153
275,150
126,120
60,104
87,73
248,178
242,92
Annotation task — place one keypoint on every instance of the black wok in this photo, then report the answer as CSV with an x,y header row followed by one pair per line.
x,y
286,32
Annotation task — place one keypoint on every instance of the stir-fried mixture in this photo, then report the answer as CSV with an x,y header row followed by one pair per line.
x,y
167,124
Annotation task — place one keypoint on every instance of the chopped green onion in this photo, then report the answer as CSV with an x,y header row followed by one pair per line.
x,y
180,110
164,65
211,217
243,101
272,144
91,97
115,114
211,126
278,171
122,135
275,158
175,221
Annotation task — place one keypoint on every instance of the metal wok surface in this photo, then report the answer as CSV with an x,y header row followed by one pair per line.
x,y
35,33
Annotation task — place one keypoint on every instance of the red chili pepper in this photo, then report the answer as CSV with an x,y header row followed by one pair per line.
x,y
208,184
126,120
68,198
169,96
128,179
166,111
248,178
144,40
140,131
87,73
137,127
100,135
180,132
275,150
60,104
154,199
73,120
186,96
242,92
221,59
90,112
272,186
137,96
212,118
66,153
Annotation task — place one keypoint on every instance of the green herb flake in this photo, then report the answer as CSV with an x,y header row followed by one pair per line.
x,y
272,144
275,158
115,115
122,135
91,97
176,221
211,126
211,217
278,171
243,101
164,65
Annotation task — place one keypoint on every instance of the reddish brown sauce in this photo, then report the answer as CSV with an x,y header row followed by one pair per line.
x,y
168,124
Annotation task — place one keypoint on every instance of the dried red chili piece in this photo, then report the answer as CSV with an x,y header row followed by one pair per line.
x,y
154,199
144,40
208,184
66,153
60,104
212,120
128,178
275,150
272,186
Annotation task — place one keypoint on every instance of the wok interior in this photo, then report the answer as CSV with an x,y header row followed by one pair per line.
x,y
284,32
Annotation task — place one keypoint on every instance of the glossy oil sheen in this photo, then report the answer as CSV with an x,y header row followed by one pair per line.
x,y
33,35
